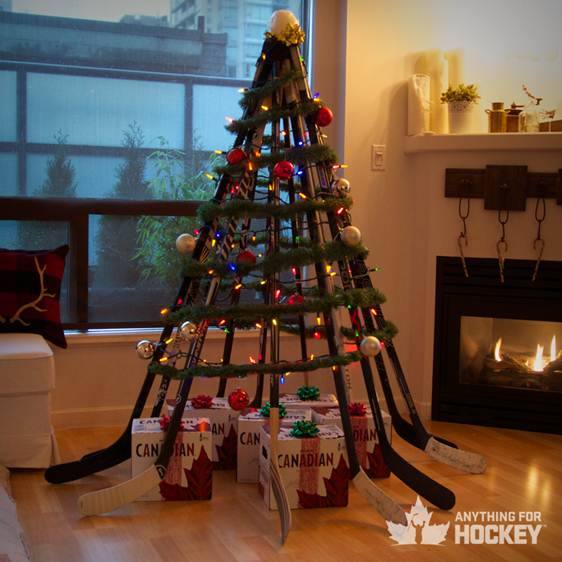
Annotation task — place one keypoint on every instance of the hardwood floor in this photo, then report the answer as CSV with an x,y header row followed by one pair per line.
x,y
524,474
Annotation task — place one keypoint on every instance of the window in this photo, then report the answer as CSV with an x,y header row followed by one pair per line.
x,y
101,106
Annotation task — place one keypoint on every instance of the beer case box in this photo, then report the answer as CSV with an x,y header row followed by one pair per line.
x,y
293,401
190,471
224,425
314,470
249,437
365,437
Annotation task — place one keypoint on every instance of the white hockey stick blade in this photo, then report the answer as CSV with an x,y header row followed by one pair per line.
x,y
463,460
383,503
282,501
108,499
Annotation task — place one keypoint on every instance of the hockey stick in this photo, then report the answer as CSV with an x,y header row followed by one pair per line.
x,y
384,504
279,490
415,432
120,450
113,497
108,499
412,477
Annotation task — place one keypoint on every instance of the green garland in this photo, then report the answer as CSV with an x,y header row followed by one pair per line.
x,y
242,370
353,297
298,155
274,263
242,208
264,410
251,96
303,429
275,114
386,333
306,393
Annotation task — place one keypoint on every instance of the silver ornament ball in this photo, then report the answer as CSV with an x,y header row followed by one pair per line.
x,y
370,346
187,329
351,236
145,349
185,244
280,20
341,185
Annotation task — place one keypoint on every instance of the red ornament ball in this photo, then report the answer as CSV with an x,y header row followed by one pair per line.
x,y
295,299
246,257
238,399
202,401
235,156
324,116
283,170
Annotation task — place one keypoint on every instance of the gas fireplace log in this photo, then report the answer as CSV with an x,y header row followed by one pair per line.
x,y
554,366
507,363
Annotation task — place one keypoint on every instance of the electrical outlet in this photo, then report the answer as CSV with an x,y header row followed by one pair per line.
x,y
378,157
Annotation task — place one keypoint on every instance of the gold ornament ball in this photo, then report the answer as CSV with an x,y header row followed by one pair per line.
x,y
351,236
145,349
370,346
341,185
187,329
185,244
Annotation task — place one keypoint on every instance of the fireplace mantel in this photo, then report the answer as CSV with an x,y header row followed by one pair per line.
x,y
484,142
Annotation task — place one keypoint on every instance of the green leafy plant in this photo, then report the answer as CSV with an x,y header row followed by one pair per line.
x,y
462,92
156,236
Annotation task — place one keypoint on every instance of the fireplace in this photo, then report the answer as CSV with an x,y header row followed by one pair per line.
x,y
498,347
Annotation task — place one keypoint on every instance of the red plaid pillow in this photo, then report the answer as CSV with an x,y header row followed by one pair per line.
x,y
30,290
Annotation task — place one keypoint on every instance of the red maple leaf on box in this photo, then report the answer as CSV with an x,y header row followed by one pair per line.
x,y
227,451
199,482
336,489
377,467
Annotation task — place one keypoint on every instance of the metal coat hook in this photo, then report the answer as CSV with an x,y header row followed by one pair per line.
x,y
538,242
501,245
464,212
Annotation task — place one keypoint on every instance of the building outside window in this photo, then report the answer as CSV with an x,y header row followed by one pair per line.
x,y
108,117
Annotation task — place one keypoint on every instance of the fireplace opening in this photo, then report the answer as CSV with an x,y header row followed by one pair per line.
x,y
498,346
511,353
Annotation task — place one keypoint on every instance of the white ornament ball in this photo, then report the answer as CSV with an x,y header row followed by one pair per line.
x,y
280,20
187,329
185,244
145,349
351,236
341,185
370,346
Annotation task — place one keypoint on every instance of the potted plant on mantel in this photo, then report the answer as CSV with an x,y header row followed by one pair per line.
x,y
461,101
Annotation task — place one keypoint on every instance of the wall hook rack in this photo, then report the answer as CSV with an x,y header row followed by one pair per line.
x,y
503,187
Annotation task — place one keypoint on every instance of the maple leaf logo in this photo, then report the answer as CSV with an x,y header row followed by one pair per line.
x,y
418,530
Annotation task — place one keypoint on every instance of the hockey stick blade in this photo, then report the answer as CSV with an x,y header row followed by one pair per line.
x,y
282,501
91,463
463,460
109,499
422,484
384,504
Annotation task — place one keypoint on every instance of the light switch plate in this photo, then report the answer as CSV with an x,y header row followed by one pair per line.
x,y
378,157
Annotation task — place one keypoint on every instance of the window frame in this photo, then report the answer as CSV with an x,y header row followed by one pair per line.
x,y
76,212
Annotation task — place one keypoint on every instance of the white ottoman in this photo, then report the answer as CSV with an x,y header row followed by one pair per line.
x,y
27,376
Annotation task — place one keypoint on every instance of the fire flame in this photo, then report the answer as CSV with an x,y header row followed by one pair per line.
x,y
538,363
497,355
553,348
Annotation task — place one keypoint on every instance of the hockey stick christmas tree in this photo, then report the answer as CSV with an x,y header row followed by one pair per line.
x,y
279,224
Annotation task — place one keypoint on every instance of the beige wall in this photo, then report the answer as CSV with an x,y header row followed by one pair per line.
x,y
402,213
